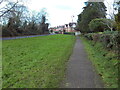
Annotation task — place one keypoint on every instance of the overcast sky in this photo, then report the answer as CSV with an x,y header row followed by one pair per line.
x,y
60,12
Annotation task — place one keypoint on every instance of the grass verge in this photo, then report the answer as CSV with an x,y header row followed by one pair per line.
x,y
37,62
104,61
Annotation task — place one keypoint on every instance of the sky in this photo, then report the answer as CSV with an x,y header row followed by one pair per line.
x,y
60,12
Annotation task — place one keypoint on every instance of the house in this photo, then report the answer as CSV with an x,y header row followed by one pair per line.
x,y
61,29
70,27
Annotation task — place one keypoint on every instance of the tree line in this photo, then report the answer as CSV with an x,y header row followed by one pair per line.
x,y
96,26
17,20
93,18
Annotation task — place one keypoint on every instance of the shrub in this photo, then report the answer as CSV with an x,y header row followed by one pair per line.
x,y
109,40
88,36
110,32
101,24
70,33
96,25
117,19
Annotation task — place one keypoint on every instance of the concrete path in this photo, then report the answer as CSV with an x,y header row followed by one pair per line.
x,y
10,38
80,72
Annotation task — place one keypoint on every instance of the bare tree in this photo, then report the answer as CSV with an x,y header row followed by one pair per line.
x,y
112,8
6,8
1,1
15,18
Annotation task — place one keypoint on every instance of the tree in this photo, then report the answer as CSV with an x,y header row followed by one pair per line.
x,y
91,11
117,16
101,24
109,23
43,25
96,25
39,19
7,8
19,21
17,16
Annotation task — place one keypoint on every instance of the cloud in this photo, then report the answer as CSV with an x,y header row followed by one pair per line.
x,y
59,11
64,7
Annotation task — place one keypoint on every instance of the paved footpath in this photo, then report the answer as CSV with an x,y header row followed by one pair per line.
x,y
18,37
80,71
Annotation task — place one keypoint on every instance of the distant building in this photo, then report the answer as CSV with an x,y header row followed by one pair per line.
x,y
70,27
64,28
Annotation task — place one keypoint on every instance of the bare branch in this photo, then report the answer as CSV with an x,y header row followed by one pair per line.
x,y
8,9
1,1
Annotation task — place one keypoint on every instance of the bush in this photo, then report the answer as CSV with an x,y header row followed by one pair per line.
x,y
110,32
56,32
70,33
6,32
101,24
88,36
96,25
105,39
106,63
117,19
109,40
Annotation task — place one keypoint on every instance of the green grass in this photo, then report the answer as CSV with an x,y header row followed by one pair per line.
x,y
37,62
104,61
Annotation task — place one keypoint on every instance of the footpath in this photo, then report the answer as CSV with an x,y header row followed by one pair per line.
x,y
80,71
18,37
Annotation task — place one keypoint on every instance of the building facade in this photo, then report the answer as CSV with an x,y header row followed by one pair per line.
x,y
63,28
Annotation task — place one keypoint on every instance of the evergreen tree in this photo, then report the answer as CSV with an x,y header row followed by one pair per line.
x,y
92,10
117,16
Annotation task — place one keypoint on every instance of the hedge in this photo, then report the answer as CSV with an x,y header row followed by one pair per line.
x,y
109,40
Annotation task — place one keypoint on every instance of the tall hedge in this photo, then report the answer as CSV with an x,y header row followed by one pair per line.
x,y
110,40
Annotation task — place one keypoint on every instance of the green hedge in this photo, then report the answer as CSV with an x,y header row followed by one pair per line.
x,y
105,62
70,33
109,40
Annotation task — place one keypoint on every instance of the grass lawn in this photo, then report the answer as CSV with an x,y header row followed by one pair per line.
x,y
37,62
105,62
